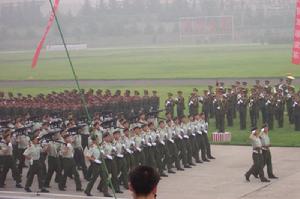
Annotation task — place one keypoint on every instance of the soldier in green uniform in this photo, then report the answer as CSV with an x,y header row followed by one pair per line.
x,y
169,104
242,107
7,161
161,152
180,104
138,147
97,167
68,163
186,141
109,153
279,108
172,147
120,159
54,163
180,143
148,148
194,103
32,153
266,153
127,142
257,157
22,143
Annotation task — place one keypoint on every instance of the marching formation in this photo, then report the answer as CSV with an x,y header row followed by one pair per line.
x,y
264,101
107,148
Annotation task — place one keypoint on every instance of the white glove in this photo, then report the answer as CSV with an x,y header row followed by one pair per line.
x,y
97,161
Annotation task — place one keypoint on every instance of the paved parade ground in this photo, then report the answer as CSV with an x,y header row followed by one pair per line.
x,y
222,178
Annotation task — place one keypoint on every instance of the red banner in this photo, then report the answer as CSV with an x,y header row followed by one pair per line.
x,y
48,27
296,48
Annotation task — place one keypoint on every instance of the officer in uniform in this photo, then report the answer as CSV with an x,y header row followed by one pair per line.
x,y
257,157
169,104
32,153
266,153
7,161
120,160
68,163
22,143
180,104
95,157
54,164
139,154
109,153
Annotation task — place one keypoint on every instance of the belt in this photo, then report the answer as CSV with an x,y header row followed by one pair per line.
x,y
265,148
257,150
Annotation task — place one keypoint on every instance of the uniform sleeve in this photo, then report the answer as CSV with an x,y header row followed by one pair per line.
x,y
27,152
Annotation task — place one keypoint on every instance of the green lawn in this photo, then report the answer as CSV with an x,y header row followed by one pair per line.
x,y
280,137
160,62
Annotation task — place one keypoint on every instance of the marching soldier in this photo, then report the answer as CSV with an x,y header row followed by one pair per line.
x,y
32,153
172,148
97,167
68,163
120,160
109,156
7,161
257,157
266,153
242,107
54,163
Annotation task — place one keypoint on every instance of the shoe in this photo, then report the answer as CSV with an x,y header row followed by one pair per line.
x,y
211,157
192,164
119,191
255,175
18,185
206,160
273,177
180,169
199,161
265,180
163,175
171,171
27,189
44,191
62,189
79,190
87,193
187,166
247,177
107,195
126,187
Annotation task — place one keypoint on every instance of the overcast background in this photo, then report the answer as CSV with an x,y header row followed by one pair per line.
x,y
103,23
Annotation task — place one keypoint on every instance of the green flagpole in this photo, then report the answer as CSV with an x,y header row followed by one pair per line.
x,y
78,87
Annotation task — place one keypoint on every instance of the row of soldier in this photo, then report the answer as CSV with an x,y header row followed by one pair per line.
x,y
69,146
263,101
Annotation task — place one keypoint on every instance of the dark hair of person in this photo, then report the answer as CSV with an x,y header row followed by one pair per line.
x,y
143,179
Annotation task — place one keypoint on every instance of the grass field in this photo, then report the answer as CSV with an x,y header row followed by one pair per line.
x,y
152,63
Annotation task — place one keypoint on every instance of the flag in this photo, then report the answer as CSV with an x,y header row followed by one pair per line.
x,y
48,27
296,48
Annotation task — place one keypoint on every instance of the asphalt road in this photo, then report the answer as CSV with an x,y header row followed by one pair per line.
x,y
222,178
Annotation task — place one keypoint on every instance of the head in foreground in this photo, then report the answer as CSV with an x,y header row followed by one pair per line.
x,y
143,181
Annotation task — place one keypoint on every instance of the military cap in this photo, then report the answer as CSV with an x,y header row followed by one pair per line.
x,y
94,137
290,77
195,89
179,92
146,92
136,92
154,91
6,134
66,135
253,130
115,131
238,82
170,94
267,81
105,134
